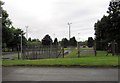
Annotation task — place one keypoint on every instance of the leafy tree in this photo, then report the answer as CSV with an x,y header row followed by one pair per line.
x,y
107,29
72,42
29,39
33,42
102,32
90,42
47,40
10,35
16,40
6,31
55,41
114,14
64,42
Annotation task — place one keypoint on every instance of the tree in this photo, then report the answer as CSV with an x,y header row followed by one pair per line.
x,y
114,14
107,29
73,42
33,42
10,35
29,39
55,41
16,40
102,32
6,31
90,42
64,42
47,40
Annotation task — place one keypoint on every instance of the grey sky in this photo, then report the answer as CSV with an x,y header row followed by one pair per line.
x,y
51,16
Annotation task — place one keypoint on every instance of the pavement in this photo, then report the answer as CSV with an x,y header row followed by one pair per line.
x,y
59,74
9,56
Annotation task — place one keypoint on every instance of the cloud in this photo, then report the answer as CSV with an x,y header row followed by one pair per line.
x,y
51,16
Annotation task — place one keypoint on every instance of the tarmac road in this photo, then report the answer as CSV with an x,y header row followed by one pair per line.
x,y
9,56
59,74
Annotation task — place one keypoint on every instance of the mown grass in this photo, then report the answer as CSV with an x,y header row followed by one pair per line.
x,y
85,60
74,53
82,61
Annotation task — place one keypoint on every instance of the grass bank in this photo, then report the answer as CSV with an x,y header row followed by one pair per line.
x,y
111,61
85,60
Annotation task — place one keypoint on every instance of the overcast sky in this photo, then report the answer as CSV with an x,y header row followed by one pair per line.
x,y
51,16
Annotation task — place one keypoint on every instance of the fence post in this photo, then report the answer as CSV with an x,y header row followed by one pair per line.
x,y
63,51
113,48
116,48
78,47
18,53
95,48
49,47
56,50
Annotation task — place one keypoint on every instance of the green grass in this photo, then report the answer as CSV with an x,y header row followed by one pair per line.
x,y
74,54
85,60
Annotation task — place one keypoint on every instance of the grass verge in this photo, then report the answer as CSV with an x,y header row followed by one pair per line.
x,y
111,61
85,60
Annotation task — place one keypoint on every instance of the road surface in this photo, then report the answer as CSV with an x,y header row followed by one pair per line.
x,y
9,56
59,74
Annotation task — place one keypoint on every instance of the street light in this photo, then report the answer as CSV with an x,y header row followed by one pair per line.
x,y
21,44
26,32
54,36
78,36
78,45
69,30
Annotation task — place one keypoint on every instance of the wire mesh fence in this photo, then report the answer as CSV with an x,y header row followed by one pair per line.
x,y
42,51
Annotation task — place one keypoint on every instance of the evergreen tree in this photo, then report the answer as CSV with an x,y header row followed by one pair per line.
x,y
90,42
47,40
64,42
73,42
108,28
10,35
55,41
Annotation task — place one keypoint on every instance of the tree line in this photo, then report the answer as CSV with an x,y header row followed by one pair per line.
x,y
47,40
107,29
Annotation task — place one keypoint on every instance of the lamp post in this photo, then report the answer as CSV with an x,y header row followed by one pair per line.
x,y
26,32
78,45
69,30
54,36
21,44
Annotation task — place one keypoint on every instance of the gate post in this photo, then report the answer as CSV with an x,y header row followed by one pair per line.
x,y
63,51
113,48
18,52
78,47
95,48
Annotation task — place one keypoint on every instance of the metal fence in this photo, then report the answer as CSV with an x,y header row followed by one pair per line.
x,y
42,51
